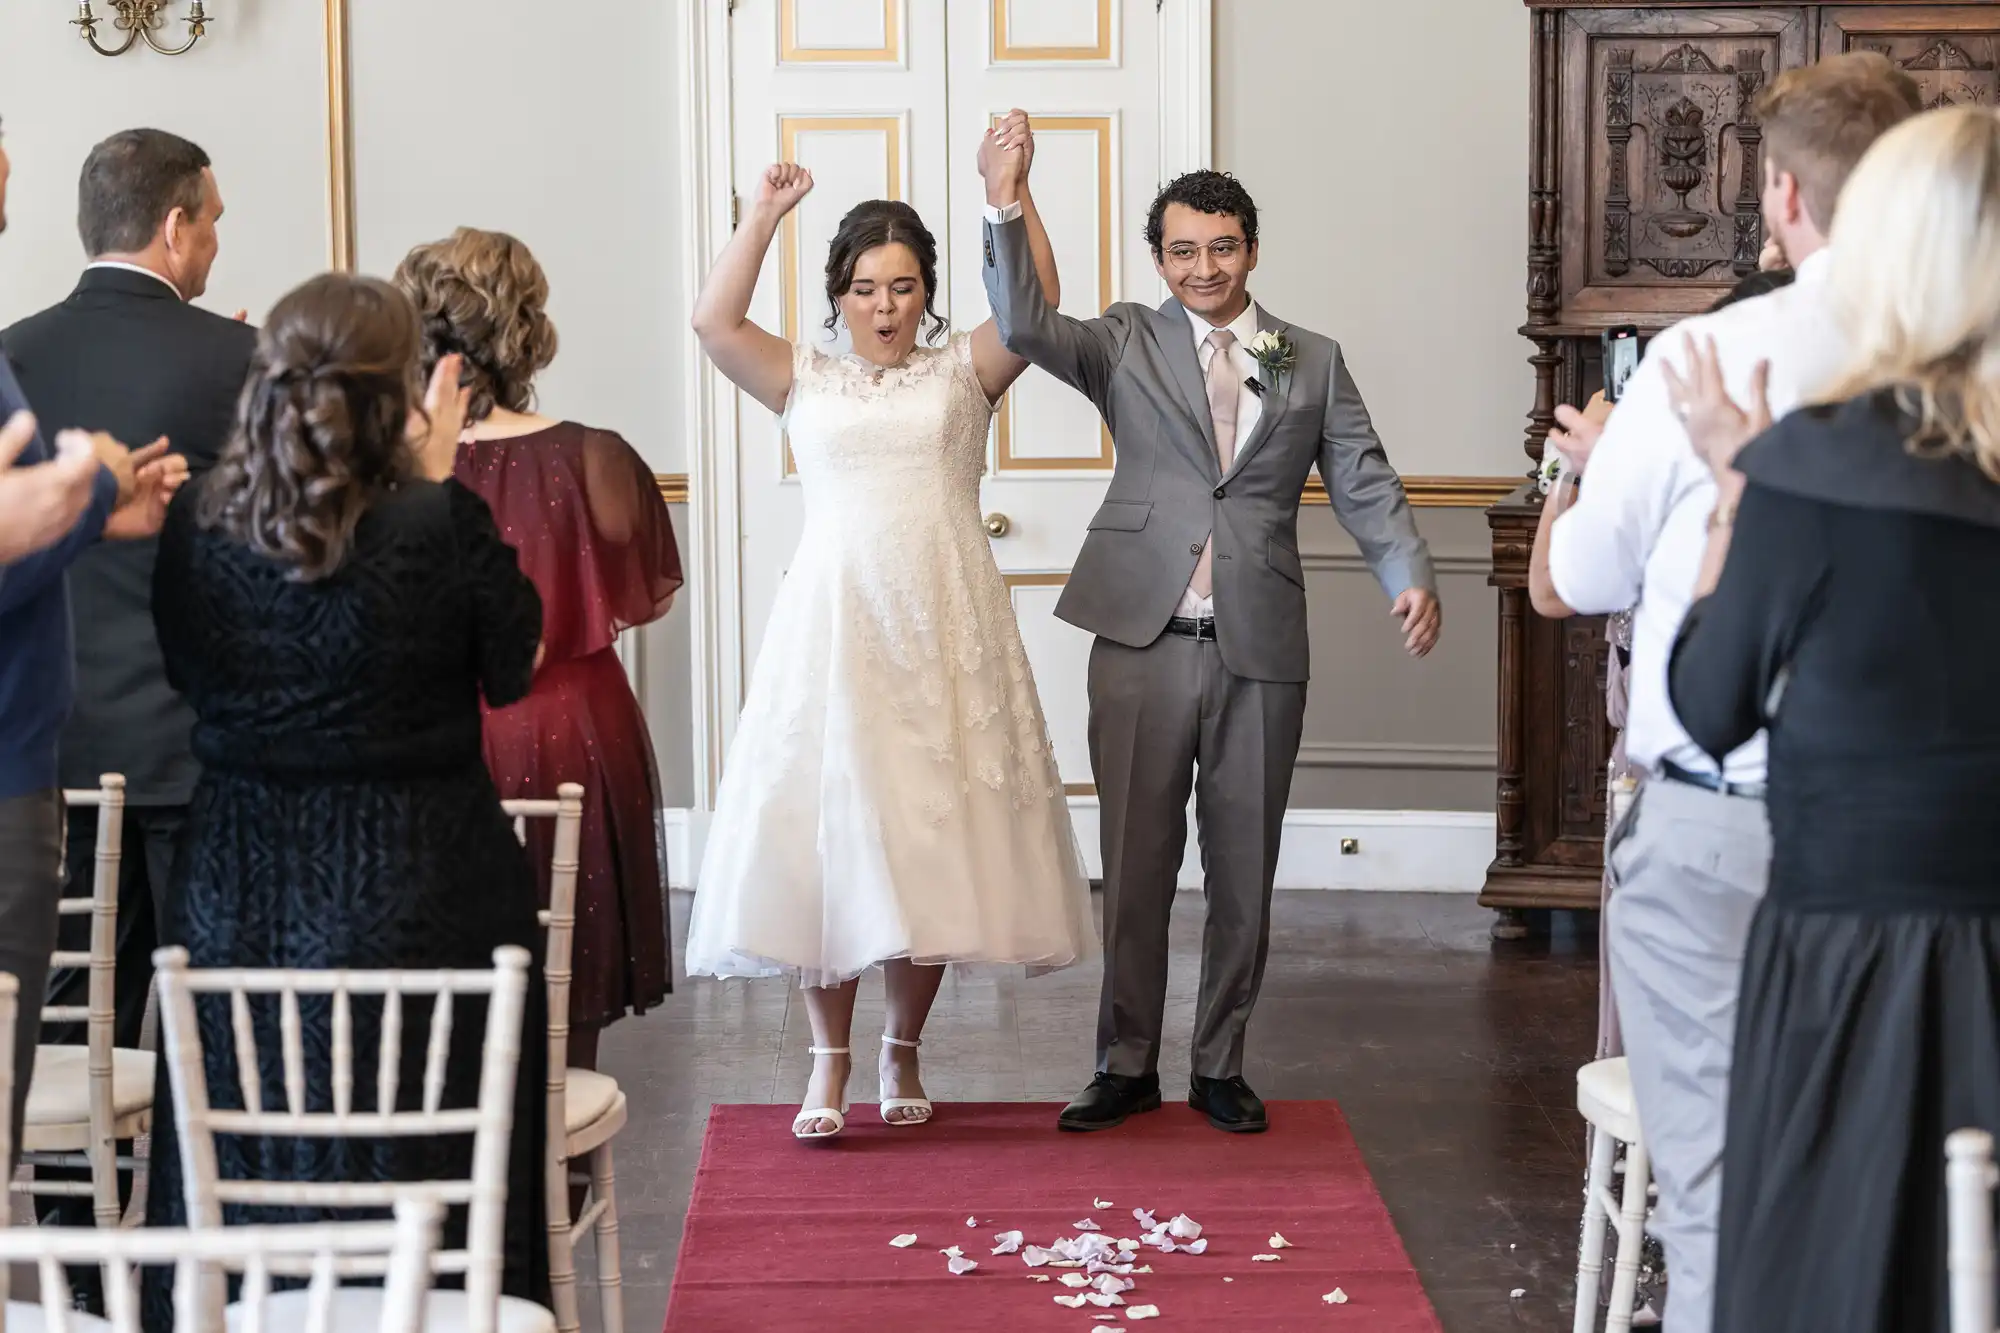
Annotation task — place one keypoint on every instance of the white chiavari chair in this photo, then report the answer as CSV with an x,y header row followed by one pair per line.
x,y
320,1254
84,1099
10,998
586,1109
1604,1099
479,1308
1969,1180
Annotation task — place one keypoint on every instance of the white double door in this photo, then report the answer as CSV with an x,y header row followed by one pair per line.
x,y
888,99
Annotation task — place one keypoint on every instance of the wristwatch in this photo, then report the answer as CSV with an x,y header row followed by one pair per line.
x,y
1723,515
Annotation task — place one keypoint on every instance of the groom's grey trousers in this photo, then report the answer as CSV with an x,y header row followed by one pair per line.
x,y
1165,720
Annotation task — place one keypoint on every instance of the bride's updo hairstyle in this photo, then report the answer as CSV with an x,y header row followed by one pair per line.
x,y
875,223
320,427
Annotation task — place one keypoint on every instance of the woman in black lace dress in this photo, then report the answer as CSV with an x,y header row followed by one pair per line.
x,y
334,608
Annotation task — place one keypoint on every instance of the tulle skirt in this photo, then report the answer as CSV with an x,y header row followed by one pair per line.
x,y
890,792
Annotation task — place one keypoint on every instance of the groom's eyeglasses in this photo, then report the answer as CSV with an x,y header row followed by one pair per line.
x,y
1185,255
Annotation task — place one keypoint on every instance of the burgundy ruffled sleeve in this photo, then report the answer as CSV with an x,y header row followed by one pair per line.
x,y
585,513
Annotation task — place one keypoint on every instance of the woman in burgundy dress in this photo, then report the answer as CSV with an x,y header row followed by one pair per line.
x,y
586,516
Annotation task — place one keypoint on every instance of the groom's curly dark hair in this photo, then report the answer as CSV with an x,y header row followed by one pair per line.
x,y
1204,191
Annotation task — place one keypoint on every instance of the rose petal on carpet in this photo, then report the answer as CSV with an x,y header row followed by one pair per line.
x,y
784,1236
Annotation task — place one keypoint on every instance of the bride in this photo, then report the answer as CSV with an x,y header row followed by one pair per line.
x,y
890,797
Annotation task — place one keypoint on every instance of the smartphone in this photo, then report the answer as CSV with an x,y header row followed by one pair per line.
x,y
1621,358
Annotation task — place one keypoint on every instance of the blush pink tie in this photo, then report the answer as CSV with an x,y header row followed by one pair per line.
x,y
1222,389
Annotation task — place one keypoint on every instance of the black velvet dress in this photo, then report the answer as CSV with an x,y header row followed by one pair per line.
x,y
1858,618
344,818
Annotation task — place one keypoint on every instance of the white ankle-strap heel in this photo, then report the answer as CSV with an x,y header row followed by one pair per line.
x,y
920,1105
803,1122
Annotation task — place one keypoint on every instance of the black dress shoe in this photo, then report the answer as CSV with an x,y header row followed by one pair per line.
x,y
1108,1100
1229,1104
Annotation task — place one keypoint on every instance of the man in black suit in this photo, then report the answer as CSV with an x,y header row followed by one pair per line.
x,y
126,353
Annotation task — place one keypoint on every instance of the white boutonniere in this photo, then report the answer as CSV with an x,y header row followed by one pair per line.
x,y
1275,356
1552,468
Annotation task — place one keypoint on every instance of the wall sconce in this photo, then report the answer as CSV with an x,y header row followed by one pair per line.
x,y
139,19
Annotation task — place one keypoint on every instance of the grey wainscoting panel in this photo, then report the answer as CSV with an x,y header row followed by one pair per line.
x,y
1384,731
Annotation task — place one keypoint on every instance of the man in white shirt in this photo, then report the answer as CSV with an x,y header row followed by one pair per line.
x,y
1689,859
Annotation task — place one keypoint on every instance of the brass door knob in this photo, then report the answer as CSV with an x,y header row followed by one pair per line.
x,y
998,525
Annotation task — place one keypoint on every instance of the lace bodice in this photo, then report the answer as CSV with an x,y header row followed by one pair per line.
x,y
910,435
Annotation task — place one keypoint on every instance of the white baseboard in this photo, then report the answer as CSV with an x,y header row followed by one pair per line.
x,y
1422,851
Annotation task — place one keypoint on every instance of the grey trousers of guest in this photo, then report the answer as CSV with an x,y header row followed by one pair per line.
x,y
1690,867
1167,721
30,887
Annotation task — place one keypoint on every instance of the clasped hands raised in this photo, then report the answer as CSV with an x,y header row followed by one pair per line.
x,y
1005,153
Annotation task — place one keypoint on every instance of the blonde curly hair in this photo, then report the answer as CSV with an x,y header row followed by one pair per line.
x,y
481,294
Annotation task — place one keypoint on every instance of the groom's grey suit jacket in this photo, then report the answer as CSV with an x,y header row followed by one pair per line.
x,y
1168,491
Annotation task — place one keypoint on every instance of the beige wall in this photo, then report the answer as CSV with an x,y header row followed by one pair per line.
x,y
1386,145
491,114
1387,148
253,94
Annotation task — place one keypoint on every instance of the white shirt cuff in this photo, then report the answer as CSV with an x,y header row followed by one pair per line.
x,y
1004,213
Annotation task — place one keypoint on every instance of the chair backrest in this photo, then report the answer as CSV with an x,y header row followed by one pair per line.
x,y
10,996
489,1122
401,1249
560,922
1969,1178
559,918
101,1012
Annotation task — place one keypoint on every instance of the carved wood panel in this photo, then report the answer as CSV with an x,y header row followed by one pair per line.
x,y
1585,739
1689,204
1953,52
1662,156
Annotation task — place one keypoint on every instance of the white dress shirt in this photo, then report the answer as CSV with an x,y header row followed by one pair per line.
x,y
1635,535
134,268
1249,406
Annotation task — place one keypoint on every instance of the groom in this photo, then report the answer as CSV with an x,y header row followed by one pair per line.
x,y
1191,580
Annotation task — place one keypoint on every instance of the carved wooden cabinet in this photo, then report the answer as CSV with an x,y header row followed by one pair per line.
x,y
1645,168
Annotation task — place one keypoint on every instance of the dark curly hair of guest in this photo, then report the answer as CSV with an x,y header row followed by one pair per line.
x,y
483,295
880,222
320,427
1215,192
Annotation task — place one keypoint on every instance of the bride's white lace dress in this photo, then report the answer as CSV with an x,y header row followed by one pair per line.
x,y
890,792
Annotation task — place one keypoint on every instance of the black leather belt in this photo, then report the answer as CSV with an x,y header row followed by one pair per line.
x,y
1187,627
1749,791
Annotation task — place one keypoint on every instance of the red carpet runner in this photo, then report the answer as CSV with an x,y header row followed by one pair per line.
x,y
788,1236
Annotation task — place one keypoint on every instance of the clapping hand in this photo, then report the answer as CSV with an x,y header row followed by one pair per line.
x,y
1576,433
434,433
41,502
1716,425
1422,618
156,476
781,187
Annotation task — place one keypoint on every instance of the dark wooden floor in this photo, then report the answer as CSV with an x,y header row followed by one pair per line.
x,y
1453,1057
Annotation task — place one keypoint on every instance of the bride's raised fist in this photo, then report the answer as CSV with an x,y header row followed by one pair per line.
x,y
783,185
